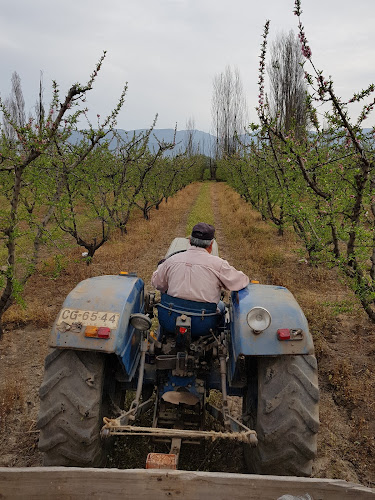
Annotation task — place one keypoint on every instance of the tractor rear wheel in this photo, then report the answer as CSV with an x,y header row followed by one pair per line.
x,y
70,416
282,404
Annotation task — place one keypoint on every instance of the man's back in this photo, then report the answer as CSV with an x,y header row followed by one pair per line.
x,y
197,275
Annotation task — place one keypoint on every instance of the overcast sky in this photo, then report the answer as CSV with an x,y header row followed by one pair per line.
x,y
170,50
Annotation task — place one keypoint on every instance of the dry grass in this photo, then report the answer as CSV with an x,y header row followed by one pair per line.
x,y
16,423
343,335
256,248
11,400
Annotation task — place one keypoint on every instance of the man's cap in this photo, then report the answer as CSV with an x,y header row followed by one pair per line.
x,y
203,231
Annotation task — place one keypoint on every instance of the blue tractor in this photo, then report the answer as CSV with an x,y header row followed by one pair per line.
x,y
106,341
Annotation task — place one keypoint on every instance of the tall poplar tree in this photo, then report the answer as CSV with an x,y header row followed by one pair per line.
x,y
229,111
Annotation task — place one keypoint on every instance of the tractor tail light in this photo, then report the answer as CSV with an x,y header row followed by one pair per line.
x,y
91,331
283,334
97,332
104,332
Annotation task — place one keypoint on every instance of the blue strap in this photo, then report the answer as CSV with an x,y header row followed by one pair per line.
x,y
202,313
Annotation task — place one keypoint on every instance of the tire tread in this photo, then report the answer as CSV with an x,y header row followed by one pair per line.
x,y
287,419
70,408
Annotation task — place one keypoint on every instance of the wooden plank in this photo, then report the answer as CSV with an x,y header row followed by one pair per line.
x,y
39,483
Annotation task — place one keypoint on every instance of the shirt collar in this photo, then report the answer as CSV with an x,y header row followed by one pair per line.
x,y
197,249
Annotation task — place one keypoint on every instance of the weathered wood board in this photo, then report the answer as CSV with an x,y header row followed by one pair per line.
x,y
39,483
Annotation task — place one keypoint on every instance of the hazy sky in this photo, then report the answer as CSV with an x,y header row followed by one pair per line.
x,y
170,50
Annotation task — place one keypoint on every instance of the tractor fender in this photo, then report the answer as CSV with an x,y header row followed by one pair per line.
x,y
107,302
285,314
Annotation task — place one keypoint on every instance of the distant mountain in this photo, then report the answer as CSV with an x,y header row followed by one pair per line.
x,y
202,142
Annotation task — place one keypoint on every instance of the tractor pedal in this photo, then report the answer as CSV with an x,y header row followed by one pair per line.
x,y
161,461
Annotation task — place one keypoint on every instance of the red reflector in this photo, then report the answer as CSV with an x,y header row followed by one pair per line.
x,y
104,332
182,329
283,334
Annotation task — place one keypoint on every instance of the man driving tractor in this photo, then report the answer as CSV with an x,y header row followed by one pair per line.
x,y
196,274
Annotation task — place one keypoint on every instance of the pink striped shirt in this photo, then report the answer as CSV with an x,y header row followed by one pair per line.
x,y
197,275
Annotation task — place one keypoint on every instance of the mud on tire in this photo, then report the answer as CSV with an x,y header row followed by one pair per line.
x,y
70,408
282,404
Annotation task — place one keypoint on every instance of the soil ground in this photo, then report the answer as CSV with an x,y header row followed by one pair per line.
x,y
343,335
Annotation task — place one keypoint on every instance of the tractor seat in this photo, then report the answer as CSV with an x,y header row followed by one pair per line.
x,y
204,315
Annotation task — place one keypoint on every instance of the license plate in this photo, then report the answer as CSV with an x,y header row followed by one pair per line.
x,y
107,319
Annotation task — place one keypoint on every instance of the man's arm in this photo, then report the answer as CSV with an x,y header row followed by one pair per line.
x,y
159,278
232,279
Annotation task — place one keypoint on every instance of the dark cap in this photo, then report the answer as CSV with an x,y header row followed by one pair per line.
x,y
203,231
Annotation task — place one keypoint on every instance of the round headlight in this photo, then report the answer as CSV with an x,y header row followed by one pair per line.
x,y
258,319
140,322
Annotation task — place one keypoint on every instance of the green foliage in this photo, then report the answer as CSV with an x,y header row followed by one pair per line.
x,y
322,184
339,307
35,159
206,174
50,186
54,266
17,292
202,209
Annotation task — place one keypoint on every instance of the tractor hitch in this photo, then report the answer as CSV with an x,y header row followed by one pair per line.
x,y
112,428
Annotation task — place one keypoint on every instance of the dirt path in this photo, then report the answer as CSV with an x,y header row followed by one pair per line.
x,y
343,336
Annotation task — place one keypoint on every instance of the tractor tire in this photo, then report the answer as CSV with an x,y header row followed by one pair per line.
x,y
70,416
282,404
